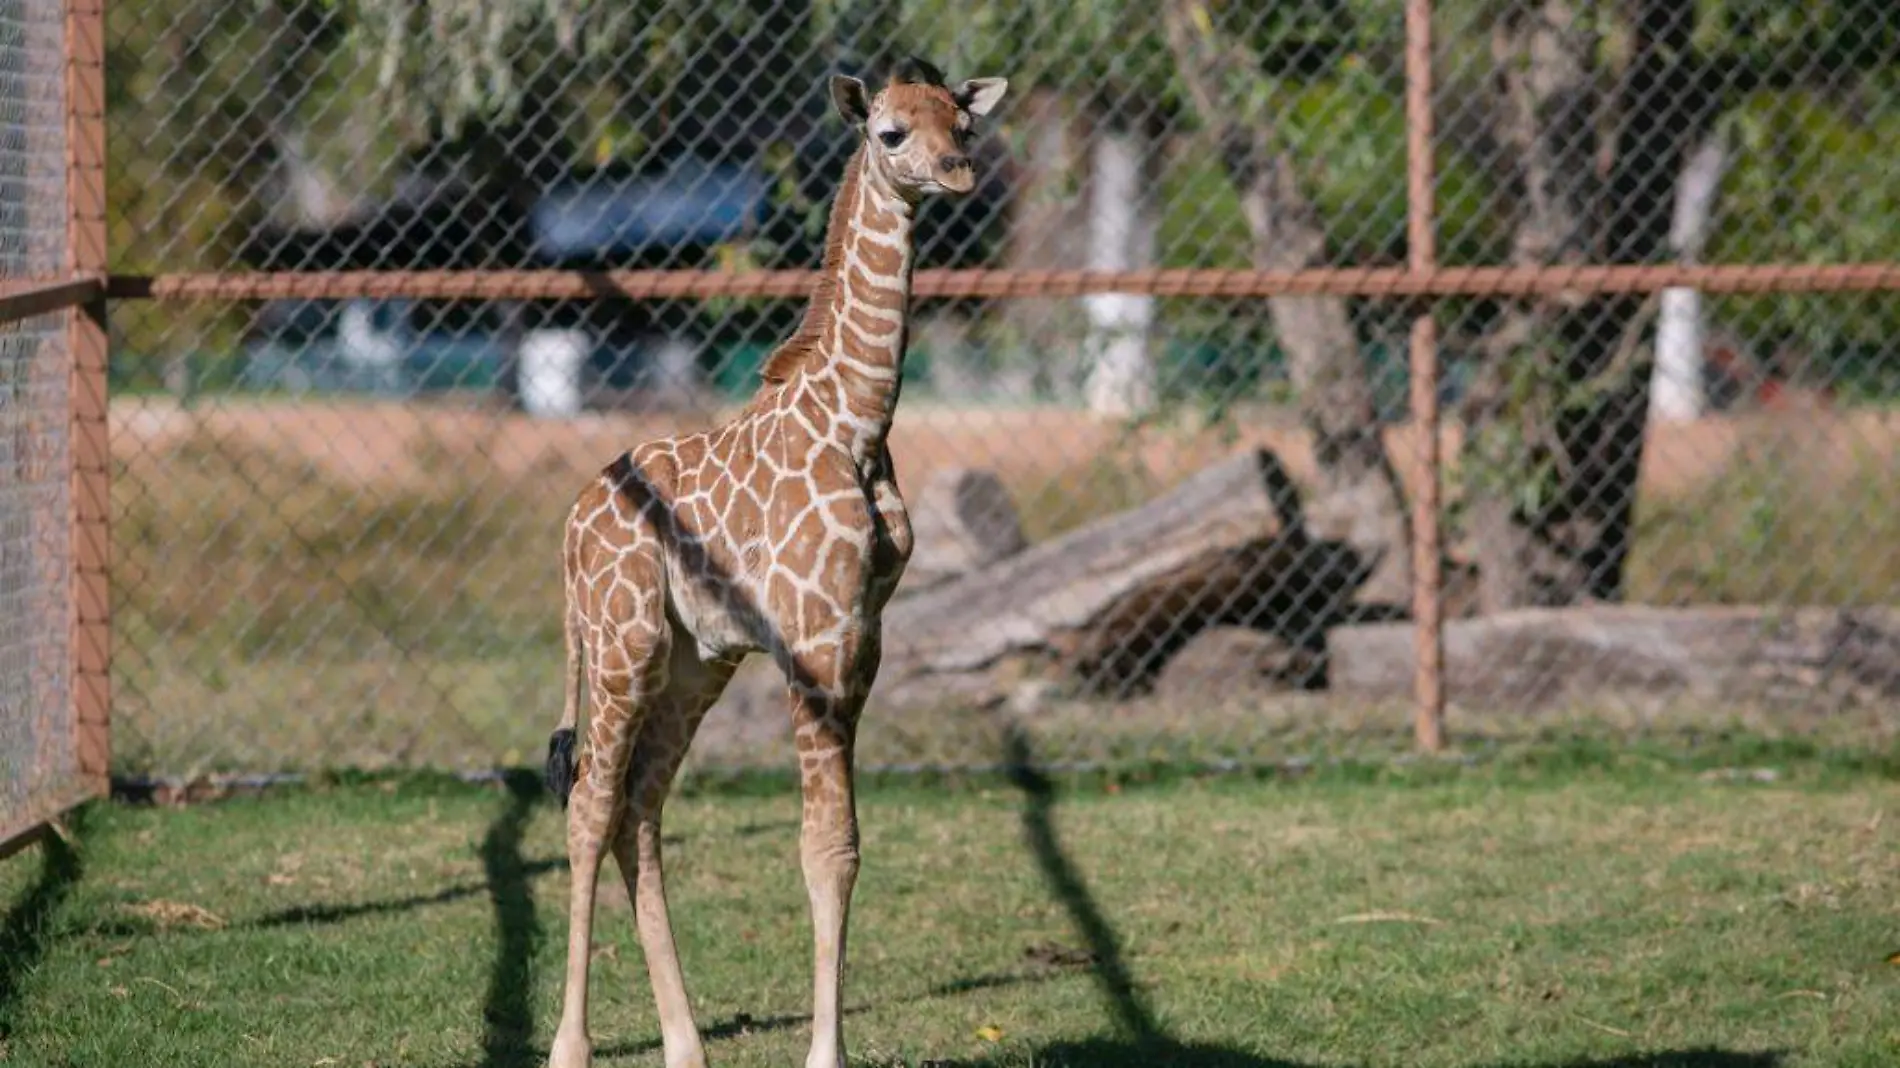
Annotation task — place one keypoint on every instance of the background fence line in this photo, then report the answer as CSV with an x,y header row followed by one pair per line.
x,y
403,597
334,479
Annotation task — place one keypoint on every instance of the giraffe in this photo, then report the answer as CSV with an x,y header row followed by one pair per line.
x,y
779,531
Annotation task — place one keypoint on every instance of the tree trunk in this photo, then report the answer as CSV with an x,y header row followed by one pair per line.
x,y
1555,417
1122,228
1678,390
1545,58
1357,499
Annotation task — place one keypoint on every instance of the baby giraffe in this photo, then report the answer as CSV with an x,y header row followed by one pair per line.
x,y
781,532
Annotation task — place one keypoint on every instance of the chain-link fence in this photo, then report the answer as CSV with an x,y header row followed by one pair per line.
x,y
41,768
1167,523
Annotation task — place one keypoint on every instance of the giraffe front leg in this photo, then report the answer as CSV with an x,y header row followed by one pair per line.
x,y
825,728
593,809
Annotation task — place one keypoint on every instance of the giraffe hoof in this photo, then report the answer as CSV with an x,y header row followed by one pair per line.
x,y
694,1059
571,1051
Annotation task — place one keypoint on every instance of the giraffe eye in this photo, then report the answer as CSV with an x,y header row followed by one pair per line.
x,y
892,138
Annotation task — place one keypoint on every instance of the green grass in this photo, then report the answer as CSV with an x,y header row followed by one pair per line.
x,y
1587,908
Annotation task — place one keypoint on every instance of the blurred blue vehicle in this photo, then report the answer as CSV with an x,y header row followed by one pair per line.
x,y
674,215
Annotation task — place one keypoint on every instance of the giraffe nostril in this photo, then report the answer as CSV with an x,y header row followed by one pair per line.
x,y
953,163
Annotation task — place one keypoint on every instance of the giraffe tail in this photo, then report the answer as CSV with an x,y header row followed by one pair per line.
x,y
560,766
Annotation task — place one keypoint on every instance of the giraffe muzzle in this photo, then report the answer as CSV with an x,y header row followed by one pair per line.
x,y
956,174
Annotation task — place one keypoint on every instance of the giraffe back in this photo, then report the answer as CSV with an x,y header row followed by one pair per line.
x,y
763,527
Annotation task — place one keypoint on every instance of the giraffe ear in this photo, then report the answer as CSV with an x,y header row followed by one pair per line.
x,y
847,95
979,95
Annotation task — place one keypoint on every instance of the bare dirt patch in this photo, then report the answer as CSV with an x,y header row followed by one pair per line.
x,y
382,442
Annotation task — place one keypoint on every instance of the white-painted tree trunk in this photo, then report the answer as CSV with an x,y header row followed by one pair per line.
x,y
1036,340
1122,229
1677,390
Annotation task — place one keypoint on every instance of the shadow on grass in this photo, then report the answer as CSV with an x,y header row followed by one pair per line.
x,y
1141,1040
1125,1002
744,1024
1109,1053
752,830
322,914
507,1015
26,931
735,1027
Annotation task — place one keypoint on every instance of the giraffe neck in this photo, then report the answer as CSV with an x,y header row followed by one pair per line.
x,y
858,321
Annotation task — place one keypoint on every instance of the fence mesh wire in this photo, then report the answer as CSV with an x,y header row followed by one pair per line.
x,y
337,522
38,762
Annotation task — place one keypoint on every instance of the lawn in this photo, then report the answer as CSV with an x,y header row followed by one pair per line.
x,y
1572,908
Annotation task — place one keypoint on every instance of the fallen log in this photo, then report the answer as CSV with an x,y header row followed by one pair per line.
x,y
962,520
1104,605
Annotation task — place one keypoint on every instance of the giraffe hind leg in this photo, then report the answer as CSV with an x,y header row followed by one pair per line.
x,y
626,679
665,736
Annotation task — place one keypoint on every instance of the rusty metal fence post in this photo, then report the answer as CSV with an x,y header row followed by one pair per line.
x,y
86,257
1428,723
54,461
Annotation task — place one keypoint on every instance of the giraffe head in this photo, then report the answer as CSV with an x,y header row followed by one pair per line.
x,y
918,128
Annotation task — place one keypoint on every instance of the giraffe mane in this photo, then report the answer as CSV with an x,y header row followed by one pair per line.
x,y
803,348
913,70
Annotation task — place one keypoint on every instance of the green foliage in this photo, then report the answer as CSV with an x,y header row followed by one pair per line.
x,y
199,90
1814,180
1803,512
1825,35
452,61
1510,455
1201,224
201,96
1107,48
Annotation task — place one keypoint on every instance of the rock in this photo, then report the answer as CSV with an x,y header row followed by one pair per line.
x,y
1228,660
1540,656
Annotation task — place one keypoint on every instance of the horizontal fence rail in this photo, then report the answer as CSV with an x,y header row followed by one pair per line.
x,y
964,284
